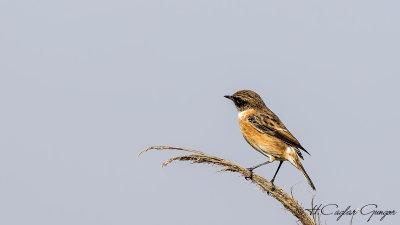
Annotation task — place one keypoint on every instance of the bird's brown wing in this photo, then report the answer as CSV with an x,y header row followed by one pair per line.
x,y
270,124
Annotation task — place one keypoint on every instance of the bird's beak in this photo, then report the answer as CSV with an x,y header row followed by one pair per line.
x,y
228,97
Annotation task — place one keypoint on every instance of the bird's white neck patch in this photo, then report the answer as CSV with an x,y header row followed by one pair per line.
x,y
242,114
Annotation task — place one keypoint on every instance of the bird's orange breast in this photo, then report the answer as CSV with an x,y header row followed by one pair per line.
x,y
264,143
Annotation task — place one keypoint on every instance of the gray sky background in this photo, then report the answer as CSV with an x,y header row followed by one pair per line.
x,y
85,85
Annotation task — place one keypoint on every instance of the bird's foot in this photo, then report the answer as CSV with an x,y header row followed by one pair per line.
x,y
272,189
273,185
250,176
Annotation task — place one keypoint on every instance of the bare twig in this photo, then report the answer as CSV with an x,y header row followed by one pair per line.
x,y
351,220
199,157
291,189
316,215
171,148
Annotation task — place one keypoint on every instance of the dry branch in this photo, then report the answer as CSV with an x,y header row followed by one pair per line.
x,y
199,157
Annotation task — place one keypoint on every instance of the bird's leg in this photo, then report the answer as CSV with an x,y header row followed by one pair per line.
x,y
253,168
273,179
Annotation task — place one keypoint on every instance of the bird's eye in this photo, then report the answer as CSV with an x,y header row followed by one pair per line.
x,y
240,102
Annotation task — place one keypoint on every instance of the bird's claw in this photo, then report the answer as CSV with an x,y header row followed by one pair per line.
x,y
273,185
249,177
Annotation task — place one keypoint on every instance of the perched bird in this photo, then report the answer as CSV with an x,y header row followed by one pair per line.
x,y
265,132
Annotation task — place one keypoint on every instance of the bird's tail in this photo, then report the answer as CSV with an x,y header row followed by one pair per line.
x,y
301,168
294,160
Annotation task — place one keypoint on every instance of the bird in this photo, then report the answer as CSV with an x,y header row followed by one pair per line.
x,y
266,133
